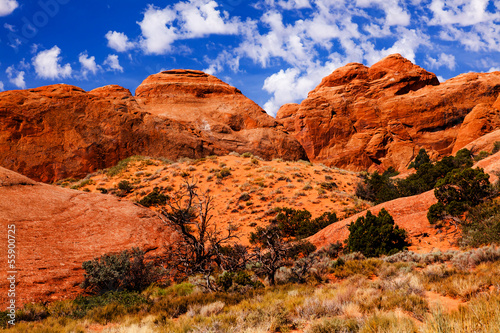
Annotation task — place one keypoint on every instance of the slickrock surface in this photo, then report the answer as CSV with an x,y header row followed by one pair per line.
x,y
380,116
61,131
58,229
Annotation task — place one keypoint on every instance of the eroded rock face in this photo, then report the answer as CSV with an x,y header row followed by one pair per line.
x,y
380,116
61,131
58,229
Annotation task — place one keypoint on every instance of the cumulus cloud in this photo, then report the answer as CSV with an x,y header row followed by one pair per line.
x,y
460,12
157,34
395,14
287,86
88,64
118,41
113,63
16,77
47,64
161,27
443,60
7,7
1,86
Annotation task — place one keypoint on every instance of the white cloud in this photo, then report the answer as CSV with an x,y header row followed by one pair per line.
x,y
1,86
200,18
289,85
113,63
157,37
185,20
118,41
460,12
88,64
395,15
16,77
443,60
494,69
9,27
7,7
47,65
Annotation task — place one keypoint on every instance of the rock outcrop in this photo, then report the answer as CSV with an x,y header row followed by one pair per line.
x,y
380,116
57,229
61,131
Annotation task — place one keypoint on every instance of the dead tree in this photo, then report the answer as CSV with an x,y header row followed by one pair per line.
x,y
198,250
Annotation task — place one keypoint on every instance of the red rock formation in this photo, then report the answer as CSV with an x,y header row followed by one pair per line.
x,y
58,229
372,118
61,131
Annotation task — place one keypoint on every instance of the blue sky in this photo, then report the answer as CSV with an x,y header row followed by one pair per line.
x,y
274,51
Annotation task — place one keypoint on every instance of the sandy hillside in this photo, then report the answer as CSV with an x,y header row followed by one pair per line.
x,y
247,196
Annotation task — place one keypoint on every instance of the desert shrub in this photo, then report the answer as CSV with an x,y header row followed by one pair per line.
x,y
333,250
125,186
234,280
474,257
388,322
298,223
127,270
206,310
482,225
459,191
32,312
376,235
244,197
334,325
4,319
122,165
83,183
420,159
481,156
223,173
330,186
83,306
348,268
154,198
379,188
496,147
481,314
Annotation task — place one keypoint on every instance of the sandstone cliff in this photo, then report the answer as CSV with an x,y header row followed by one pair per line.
x,y
61,131
374,117
58,229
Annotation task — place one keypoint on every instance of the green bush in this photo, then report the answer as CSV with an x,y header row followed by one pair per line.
x,y
83,306
481,156
420,159
380,188
374,236
125,186
122,165
233,280
496,147
223,173
482,225
127,270
154,198
436,213
298,223
459,191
